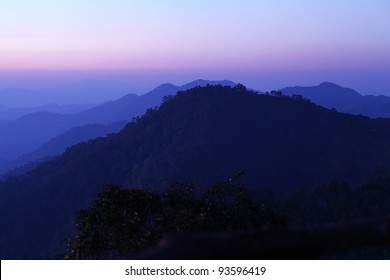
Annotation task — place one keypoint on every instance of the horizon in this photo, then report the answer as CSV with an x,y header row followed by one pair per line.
x,y
99,88
262,45
141,83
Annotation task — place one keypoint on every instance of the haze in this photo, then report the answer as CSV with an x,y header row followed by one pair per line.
x,y
264,44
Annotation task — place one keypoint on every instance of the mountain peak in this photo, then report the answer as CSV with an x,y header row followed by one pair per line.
x,y
166,85
329,84
202,82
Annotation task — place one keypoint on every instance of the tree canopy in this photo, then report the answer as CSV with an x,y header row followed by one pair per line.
x,y
125,221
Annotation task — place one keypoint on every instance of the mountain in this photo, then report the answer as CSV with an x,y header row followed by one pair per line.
x,y
120,109
87,91
15,113
28,133
58,145
203,135
128,106
344,100
21,97
202,83
82,92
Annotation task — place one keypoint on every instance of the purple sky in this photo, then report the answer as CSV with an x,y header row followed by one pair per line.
x,y
264,44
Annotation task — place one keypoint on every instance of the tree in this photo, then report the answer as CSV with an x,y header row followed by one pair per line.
x,y
276,93
240,87
229,206
124,221
119,222
182,208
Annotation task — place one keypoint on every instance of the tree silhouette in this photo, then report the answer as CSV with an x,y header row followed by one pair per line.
x,y
121,222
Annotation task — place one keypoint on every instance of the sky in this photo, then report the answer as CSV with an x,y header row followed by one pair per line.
x,y
264,44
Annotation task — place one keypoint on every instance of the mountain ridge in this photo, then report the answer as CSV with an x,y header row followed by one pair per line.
x,y
57,146
29,132
15,113
343,99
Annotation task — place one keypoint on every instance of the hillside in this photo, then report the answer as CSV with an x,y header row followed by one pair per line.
x,y
345,100
204,135
58,145
26,134
15,113
80,92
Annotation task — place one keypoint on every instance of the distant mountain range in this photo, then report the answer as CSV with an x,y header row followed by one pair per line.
x,y
15,113
26,134
344,100
21,97
203,135
57,146
82,92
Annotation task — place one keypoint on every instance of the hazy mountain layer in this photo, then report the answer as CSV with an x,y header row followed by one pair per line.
x,y
57,146
15,113
28,133
84,91
344,99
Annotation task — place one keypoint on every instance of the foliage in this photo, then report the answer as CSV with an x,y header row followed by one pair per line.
x,y
122,221
118,222
337,201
